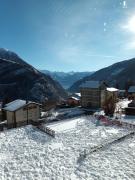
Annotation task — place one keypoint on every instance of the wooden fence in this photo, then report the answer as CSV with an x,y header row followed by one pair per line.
x,y
46,130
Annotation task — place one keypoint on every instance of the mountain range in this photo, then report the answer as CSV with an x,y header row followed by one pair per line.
x,y
118,75
18,79
66,79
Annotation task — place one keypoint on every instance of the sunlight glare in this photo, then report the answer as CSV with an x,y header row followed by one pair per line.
x,y
131,24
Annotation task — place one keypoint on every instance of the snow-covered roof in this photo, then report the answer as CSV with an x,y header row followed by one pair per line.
x,y
75,98
111,89
131,89
14,105
91,84
17,104
78,94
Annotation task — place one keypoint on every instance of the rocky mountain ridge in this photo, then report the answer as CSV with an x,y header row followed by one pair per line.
x,y
18,79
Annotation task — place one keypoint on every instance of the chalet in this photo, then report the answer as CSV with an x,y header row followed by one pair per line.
x,y
95,94
21,112
73,101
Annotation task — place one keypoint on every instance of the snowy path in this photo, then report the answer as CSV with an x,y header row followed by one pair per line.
x,y
26,153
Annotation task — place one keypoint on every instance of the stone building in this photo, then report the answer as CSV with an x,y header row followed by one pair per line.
x,y
95,94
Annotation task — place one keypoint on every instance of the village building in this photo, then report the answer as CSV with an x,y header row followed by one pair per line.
x,y
91,94
77,95
130,110
122,93
21,112
131,92
73,101
96,94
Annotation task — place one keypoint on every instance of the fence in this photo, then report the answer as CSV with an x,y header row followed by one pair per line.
x,y
118,122
87,152
46,130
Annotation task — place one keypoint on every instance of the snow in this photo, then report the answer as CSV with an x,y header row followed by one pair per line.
x,y
123,104
78,94
27,153
123,117
115,162
65,125
14,105
8,61
111,89
75,98
128,118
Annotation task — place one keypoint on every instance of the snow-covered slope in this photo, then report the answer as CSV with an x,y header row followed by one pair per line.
x,y
27,153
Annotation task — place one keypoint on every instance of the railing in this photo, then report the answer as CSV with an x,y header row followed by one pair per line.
x,y
117,122
87,152
46,130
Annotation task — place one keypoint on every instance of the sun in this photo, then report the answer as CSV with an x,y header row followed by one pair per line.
x,y
131,24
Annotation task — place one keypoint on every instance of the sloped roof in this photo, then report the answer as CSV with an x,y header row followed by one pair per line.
x,y
75,98
17,104
78,94
91,84
131,89
14,105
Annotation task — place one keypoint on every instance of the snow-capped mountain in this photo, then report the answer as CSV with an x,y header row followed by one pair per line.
x,y
66,79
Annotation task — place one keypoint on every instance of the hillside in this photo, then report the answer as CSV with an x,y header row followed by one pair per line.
x,y
118,75
18,79
66,79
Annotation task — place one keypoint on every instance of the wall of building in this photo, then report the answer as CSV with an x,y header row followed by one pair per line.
x,y
10,119
23,115
73,102
33,112
90,98
103,98
30,112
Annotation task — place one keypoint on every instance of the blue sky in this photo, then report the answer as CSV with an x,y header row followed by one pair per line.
x,y
66,35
